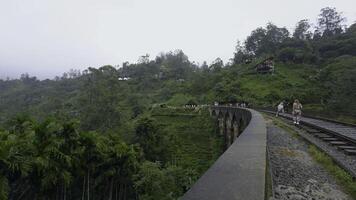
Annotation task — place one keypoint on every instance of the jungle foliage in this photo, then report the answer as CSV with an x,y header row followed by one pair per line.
x,y
122,132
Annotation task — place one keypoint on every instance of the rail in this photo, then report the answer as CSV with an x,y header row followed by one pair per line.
x,y
342,130
340,137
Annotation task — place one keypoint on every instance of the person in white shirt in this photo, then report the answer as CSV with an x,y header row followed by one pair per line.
x,y
280,109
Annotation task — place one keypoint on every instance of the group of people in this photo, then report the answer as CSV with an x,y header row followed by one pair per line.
x,y
296,112
242,104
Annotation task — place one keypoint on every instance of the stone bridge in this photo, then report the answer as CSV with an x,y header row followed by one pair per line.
x,y
231,121
240,172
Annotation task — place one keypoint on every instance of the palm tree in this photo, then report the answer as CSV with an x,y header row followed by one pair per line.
x,y
15,160
120,162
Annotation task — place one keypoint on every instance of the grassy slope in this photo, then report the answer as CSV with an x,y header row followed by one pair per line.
x,y
312,85
199,146
289,81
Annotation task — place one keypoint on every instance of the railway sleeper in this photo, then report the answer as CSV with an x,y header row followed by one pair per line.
x,y
342,147
322,135
330,139
350,151
338,143
312,131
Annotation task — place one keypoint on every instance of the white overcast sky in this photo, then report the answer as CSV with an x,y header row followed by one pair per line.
x,y
48,37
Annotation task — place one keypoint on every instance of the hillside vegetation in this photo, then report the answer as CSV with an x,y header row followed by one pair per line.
x,y
121,132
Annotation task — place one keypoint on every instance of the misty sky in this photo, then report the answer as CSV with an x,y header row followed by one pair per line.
x,y
48,37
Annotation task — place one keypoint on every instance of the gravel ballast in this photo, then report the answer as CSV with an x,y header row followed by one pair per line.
x,y
295,175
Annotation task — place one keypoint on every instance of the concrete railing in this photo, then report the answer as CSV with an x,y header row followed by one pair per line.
x,y
239,173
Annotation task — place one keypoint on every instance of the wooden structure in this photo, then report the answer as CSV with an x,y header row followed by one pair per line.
x,y
265,66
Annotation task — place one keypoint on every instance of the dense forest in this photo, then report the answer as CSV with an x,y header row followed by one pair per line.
x,y
121,132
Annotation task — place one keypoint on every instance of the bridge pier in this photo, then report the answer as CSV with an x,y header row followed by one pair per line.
x,y
228,132
235,128
221,122
230,126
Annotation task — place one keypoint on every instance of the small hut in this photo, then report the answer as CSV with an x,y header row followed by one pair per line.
x,y
265,66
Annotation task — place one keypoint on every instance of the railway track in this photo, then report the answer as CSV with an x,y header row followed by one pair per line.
x,y
340,135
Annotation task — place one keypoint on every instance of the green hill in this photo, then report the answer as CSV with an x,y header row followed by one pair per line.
x,y
124,128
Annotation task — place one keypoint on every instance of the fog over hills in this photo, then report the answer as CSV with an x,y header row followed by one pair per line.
x,y
47,38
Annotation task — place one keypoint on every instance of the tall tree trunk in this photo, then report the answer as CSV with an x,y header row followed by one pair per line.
x,y
57,192
61,195
88,187
120,191
83,191
125,187
111,188
65,192
115,191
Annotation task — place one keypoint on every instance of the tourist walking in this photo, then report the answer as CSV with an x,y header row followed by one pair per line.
x,y
297,111
280,109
